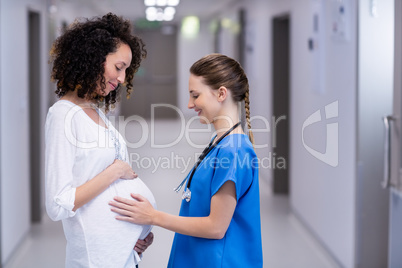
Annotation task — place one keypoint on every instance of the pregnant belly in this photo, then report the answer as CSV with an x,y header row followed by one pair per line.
x,y
100,224
124,188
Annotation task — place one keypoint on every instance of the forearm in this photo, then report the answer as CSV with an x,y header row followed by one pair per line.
x,y
214,226
205,227
94,187
138,210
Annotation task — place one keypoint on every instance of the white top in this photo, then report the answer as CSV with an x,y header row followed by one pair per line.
x,y
77,149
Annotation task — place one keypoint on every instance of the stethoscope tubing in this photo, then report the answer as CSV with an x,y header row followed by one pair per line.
x,y
204,153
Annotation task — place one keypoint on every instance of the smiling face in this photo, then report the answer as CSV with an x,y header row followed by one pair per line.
x,y
115,68
203,100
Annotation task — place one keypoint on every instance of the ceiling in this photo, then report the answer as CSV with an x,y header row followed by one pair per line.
x,y
135,9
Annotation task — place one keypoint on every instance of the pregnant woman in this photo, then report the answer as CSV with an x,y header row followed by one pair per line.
x,y
86,157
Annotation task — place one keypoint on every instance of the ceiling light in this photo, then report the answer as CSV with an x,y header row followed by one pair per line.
x,y
167,17
151,17
161,3
190,26
151,11
169,11
149,2
160,15
160,10
173,3
226,23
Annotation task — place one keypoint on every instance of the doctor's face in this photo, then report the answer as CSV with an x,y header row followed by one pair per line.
x,y
203,99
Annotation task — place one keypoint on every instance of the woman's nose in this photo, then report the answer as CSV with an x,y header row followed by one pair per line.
x,y
121,77
190,104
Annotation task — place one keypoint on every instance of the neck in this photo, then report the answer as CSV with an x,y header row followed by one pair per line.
x,y
225,122
72,96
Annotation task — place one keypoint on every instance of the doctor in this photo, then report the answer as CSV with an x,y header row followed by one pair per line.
x,y
219,223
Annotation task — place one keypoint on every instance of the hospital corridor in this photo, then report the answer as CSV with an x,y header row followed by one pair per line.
x,y
325,110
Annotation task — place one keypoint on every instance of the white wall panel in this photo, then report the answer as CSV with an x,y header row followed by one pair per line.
x,y
14,105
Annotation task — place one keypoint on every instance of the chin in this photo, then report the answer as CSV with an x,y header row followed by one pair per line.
x,y
205,121
106,94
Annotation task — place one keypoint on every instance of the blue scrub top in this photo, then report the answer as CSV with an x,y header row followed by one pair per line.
x,y
232,159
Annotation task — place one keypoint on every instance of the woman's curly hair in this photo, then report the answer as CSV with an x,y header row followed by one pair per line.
x,y
79,54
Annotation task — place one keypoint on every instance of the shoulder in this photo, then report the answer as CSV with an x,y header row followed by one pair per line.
x,y
236,144
236,161
236,150
62,114
62,109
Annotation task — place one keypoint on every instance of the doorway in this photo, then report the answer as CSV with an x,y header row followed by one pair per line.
x,y
156,80
34,113
280,97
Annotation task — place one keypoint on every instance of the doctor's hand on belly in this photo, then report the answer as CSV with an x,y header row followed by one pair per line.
x,y
137,210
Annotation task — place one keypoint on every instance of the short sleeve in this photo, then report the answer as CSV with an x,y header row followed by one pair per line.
x,y
59,161
232,164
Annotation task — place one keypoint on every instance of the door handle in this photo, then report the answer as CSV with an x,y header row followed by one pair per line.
x,y
387,151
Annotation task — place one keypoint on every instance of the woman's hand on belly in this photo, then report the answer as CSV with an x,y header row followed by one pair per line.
x,y
142,245
123,170
95,186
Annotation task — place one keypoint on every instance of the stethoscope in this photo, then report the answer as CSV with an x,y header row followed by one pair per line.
x,y
187,193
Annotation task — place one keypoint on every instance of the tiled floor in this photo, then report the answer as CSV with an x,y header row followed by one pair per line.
x,y
286,243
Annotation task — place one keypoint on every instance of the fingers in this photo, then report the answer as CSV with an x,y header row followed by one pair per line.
x,y
140,248
122,212
128,172
119,202
121,208
130,175
150,238
142,245
135,211
123,218
126,204
138,197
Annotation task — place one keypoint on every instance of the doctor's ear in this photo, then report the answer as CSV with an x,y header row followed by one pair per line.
x,y
222,93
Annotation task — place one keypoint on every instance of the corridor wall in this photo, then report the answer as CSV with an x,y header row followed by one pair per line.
x,y
14,105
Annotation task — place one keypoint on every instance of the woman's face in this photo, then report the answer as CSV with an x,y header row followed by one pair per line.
x,y
203,100
115,68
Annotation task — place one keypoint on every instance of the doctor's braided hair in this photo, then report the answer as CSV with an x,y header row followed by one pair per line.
x,y
219,70
79,55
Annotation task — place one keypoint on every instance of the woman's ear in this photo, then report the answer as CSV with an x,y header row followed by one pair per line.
x,y
222,93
